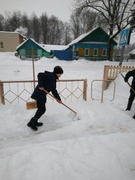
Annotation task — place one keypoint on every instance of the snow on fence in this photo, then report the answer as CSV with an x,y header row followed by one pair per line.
x,y
20,91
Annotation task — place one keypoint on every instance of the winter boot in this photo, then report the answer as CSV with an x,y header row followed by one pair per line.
x,y
32,125
129,105
35,122
38,124
127,109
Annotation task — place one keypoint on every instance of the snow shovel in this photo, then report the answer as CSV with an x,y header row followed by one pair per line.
x,y
31,105
128,83
61,103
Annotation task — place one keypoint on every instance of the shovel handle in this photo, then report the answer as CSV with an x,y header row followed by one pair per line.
x,y
61,103
69,108
128,83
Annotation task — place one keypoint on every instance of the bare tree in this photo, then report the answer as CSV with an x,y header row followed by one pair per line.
x,y
1,22
44,27
67,34
55,30
13,21
82,22
75,25
115,13
26,23
35,25
89,19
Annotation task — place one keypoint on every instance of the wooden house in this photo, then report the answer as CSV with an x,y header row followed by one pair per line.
x,y
31,48
10,40
92,45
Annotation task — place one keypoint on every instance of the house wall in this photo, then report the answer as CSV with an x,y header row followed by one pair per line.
x,y
81,52
10,41
100,52
91,46
38,53
46,54
91,52
30,48
64,54
27,53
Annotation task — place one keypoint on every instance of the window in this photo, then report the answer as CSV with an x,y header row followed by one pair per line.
x,y
87,52
104,52
1,45
95,52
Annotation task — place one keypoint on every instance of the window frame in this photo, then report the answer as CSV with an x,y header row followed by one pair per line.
x,y
104,54
87,51
1,45
95,50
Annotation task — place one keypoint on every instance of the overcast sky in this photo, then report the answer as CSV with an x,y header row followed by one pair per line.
x,y
60,8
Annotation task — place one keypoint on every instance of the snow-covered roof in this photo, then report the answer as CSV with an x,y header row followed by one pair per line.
x,y
46,47
81,37
8,32
34,42
50,47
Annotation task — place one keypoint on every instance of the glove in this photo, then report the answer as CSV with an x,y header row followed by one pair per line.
x,y
59,101
125,80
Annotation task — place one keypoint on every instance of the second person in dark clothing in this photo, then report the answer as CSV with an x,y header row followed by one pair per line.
x,y
132,93
47,81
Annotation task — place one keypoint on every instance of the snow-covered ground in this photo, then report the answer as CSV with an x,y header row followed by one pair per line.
x,y
99,146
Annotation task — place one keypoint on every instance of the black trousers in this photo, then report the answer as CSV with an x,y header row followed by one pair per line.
x,y
40,111
130,100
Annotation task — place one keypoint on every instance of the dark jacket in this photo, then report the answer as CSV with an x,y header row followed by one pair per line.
x,y
47,80
131,74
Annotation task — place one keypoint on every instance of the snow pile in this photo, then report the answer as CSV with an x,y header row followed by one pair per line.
x,y
99,146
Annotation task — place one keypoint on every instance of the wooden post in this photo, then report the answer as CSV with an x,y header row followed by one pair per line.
x,y
105,77
121,58
102,94
2,100
33,66
106,69
85,90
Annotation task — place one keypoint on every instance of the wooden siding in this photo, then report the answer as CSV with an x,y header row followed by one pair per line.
x,y
81,52
96,39
29,44
97,35
100,52
91,52
25,50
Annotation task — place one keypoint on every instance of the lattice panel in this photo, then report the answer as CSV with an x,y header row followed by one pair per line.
x,y
16,92
20,91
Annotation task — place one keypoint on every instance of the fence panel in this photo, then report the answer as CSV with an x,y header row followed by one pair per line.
x,y
20,91
111,72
